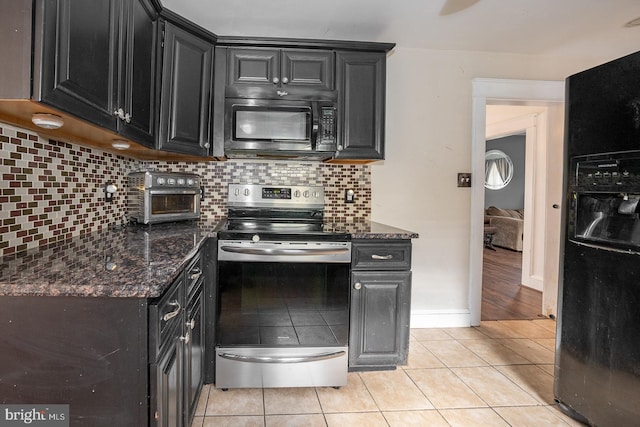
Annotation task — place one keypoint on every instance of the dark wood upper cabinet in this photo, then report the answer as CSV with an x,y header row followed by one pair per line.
x,y
98,63
185,100
273,73
80,49
308,68
360,80
140,71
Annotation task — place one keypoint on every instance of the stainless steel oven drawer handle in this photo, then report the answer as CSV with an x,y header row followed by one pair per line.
x,y
266,251
282,359
374,256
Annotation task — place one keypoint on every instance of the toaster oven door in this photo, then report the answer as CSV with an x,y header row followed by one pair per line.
x,y
165,205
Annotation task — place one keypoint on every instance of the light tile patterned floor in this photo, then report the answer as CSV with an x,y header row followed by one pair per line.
x,y
497,374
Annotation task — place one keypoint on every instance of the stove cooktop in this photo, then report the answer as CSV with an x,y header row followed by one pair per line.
x,y
242,229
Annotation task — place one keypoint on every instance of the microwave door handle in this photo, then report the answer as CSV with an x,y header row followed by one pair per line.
x,y
315,124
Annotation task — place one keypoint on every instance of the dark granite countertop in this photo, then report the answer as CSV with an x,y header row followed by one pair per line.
x,y
375,230
133,262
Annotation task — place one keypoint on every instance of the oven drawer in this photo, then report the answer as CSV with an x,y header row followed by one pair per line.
x,y
257,367
381,255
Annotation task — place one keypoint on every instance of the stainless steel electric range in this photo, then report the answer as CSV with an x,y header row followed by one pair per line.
x,y
283,302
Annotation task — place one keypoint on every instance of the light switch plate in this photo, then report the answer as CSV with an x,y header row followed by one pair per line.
x,y
464,179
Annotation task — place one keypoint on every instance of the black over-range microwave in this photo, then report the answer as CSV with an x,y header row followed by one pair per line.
x,y
280,128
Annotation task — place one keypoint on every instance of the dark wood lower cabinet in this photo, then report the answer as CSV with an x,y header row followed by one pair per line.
x,y
90,353
168,374
380,305
194,354
114,361
177,341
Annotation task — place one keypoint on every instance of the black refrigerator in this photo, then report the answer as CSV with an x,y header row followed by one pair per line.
x,y
597,366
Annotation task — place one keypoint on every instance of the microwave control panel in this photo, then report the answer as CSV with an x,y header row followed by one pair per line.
x,y
327,133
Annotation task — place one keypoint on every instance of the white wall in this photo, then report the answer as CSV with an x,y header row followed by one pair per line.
x,y
428,141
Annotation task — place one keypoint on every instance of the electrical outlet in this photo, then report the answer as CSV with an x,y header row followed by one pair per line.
x,y
464,180
349,196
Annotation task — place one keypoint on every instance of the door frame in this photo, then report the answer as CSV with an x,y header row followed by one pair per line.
x,y
484,89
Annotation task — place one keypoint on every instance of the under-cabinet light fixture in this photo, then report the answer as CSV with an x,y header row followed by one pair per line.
x,y
47,121
120,144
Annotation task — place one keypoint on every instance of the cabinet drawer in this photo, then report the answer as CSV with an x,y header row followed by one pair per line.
x,y
194,273
379,255
165,318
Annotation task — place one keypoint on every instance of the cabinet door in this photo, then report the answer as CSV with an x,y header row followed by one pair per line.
x,y
380,310
186,92
312,68
80,58
360,79
194,354
253,66
169,403
138,93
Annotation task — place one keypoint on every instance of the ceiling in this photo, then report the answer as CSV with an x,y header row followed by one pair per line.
x,y
581,28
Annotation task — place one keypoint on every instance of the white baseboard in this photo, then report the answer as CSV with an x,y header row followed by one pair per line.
x,y
440,318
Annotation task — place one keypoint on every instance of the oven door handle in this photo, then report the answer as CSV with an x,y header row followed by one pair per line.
x,y
282,359
284,251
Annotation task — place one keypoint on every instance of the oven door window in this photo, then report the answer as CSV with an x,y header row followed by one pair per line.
x,y
608,219
263,124
283,304
163,204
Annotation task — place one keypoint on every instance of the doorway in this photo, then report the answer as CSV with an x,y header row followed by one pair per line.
x,y
504,296
541,234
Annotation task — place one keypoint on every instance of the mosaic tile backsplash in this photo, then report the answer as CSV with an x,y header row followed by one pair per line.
x,y
54,190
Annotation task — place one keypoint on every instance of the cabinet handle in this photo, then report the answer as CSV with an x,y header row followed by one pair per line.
x,y
358,285
191,324
186,338
173,313
282,93
275,80
285,80
195,274
122,115
374,256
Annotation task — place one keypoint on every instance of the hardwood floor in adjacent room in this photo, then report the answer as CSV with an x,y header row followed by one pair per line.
x,y
503,295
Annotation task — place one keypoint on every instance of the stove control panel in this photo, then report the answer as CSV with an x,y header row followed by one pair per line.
x,y
275,195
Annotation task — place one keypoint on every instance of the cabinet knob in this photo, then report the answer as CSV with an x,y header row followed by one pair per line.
x,y
191,324
207,145
339,147
186,338
127,118
285,80
358,285
275,80
119,113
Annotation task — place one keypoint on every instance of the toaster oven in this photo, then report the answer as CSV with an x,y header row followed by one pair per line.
x,y
155,197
